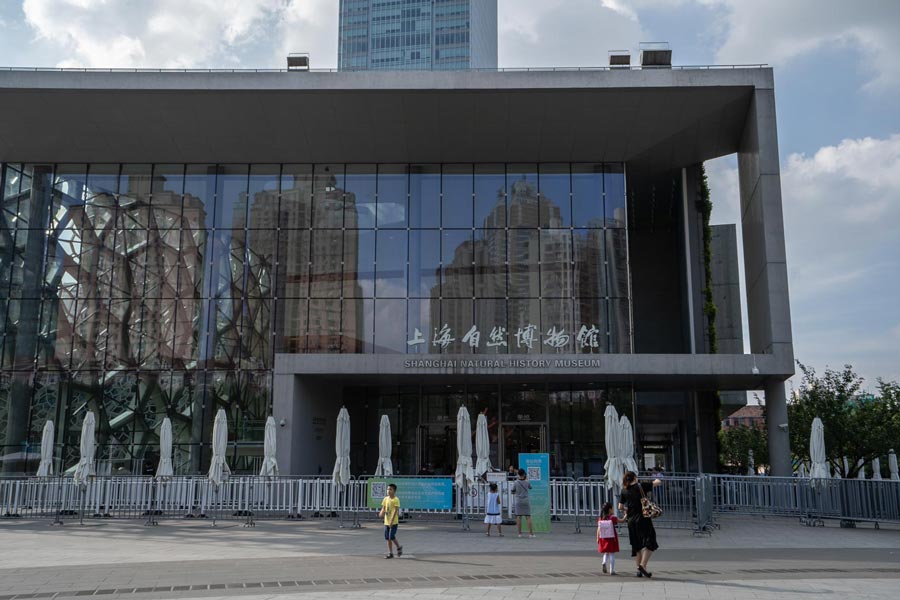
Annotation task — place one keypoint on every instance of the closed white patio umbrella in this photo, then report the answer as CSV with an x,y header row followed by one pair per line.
x,y
819,465
892,466
465,475
482,446
801,470
751,463
45,468
270,463
876,468
385,467
341,473
614,468
85,467
165,470
218,467
861,464
846,466
627,441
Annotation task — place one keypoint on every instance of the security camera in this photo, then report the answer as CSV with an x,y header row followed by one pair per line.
x,y
282,423
783,426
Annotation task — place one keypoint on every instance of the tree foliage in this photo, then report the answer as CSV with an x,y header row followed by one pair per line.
x,y
735,444
858,426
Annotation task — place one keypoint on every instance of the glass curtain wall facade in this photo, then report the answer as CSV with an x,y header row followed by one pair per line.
x,y
411,35
141,291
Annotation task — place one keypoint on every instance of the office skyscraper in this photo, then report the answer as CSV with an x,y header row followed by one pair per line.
x,y
392,35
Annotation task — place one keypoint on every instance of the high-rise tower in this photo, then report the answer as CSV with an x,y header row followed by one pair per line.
x,y
425,35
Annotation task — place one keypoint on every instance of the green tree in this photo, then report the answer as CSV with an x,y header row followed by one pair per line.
x,y
735,444
858,426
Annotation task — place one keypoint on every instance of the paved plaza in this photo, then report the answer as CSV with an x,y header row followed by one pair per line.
x,y
745,558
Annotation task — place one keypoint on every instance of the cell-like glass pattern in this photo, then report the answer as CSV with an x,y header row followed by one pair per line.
x,y
142,291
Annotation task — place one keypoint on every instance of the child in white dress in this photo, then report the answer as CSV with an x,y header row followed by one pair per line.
x,y
492,510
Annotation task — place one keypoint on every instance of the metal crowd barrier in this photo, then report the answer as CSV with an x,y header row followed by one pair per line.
x,y
688,502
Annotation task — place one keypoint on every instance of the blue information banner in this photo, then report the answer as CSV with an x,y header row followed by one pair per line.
x,y
537,466
415,493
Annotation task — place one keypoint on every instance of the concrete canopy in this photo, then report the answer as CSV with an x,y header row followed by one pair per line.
x,y
665,118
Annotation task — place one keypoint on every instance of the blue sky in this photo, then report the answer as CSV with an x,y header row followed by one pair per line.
x,y
837,76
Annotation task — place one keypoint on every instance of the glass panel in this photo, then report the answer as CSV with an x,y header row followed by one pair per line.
x,y
293,324
296,196
556,263
261,256
326,271
424,263
293,263
587,195
422,319
359,263
557,326
490,318
524,403
456,197
226,273
617,255
590,324
456,264
524,326
523,195
589,268
390,326
324,326
393,184
614,192
524,264
455,334
490,196
358,326
231,197
199,192
555,206
391,264
167,189
359,196
328,196
490,263
619,327
262,197
425,196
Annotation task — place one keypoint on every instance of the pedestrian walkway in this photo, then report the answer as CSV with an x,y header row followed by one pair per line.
x,y
748,557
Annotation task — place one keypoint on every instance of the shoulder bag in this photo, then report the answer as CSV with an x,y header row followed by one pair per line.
x,y
649,509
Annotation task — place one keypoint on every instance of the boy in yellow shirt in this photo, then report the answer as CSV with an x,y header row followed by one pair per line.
x,y
390,510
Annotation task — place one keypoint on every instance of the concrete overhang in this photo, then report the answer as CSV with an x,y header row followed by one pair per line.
x,y
644,371
667,118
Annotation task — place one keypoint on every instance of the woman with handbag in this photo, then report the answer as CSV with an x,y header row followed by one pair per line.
x,y
639,514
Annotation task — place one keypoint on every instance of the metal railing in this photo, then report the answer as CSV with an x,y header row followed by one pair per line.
x,y
688,502
332,70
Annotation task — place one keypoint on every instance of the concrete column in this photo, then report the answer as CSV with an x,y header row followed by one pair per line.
x,y
776,423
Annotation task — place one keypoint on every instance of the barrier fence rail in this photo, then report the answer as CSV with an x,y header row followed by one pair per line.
x,y
688,502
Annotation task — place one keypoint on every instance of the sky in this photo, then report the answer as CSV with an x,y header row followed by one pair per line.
x,y
837,74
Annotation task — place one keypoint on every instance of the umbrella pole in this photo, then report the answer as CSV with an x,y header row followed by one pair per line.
x,y
465,500
150,521
83,487
250,492
58,520
215,512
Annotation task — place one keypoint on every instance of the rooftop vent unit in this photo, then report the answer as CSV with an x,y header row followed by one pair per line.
x,y
619,59
656,54
298,61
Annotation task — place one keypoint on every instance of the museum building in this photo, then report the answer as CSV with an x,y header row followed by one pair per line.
x,y
531,245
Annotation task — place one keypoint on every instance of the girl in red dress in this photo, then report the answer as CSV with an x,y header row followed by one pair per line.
x,y
607,538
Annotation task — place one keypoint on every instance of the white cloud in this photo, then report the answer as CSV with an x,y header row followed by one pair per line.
x,y
163,33
776,31
310,26
841,209
567,33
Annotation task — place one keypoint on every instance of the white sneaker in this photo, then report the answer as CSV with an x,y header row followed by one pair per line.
x,y
520,535
531,536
